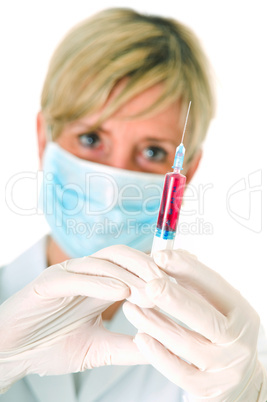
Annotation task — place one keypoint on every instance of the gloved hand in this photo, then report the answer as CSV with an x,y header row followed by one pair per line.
x,y
54,325
213,354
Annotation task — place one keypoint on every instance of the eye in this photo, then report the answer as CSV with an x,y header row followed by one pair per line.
x,y
90,140
154,153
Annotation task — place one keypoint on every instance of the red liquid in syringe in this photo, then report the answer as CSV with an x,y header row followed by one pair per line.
x,y
170,206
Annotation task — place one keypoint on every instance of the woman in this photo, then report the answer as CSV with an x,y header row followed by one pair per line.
x,y
112,112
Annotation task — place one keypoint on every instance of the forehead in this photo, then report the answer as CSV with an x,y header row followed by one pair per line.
x,y
170,116
138,103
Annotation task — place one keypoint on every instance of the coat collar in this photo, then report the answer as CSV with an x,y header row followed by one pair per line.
x,y
52,388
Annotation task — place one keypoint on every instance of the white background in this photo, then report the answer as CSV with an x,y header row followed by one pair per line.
x,y
233,34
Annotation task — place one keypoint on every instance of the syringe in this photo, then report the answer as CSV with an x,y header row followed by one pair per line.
x,y
171,201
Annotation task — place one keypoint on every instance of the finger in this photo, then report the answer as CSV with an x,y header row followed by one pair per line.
x,y
114,349
190,308
200,384
103,268
55,283
184,343
94,266
198,278
135,261
172,367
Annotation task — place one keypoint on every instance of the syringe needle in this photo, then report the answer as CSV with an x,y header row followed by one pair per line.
x,y
188,110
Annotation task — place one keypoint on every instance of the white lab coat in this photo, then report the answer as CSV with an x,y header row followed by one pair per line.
x,y
105,384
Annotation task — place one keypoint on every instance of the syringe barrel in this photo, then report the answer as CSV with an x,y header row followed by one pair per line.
x,y
170,205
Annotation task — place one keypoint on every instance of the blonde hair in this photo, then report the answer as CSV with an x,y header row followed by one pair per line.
x,y
118,43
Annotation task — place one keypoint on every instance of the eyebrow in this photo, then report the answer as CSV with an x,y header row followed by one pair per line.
x,y
89,127
160,140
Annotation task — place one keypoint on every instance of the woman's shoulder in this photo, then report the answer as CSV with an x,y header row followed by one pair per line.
x,y
23,269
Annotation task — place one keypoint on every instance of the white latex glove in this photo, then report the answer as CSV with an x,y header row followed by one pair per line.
x,y
54,325
215,357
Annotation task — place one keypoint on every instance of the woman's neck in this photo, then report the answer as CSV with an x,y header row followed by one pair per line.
x,y
54,255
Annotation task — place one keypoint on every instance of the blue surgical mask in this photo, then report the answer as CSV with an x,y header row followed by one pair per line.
x,y
90,206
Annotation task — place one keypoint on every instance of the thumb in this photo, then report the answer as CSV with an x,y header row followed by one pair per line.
x,y
55,282
114,349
